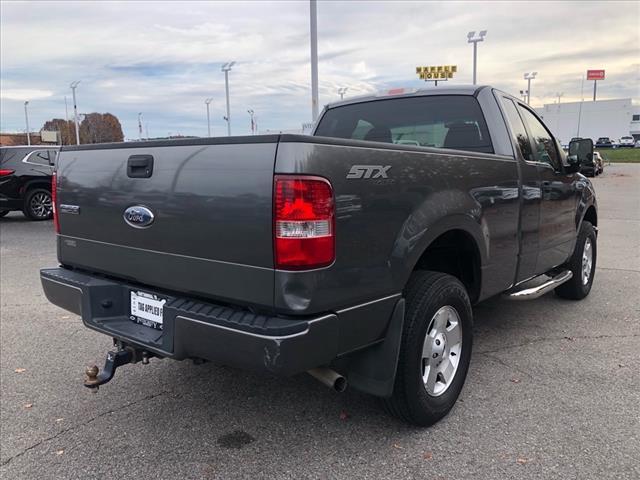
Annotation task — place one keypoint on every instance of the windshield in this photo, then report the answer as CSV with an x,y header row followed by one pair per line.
x,y
442,121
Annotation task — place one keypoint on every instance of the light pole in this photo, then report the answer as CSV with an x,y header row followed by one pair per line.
x,y
26,119
313,14
342,91
523,94
140,126
253,124
226,68
471,38
207,102
75,110
528,77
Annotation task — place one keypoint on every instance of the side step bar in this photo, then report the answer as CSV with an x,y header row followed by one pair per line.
x,y
536,292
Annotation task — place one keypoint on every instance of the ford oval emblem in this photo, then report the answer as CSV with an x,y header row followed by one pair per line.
x,y
138,216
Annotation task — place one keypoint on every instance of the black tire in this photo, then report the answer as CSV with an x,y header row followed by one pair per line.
x,y
576,288
3,212
427,293
35,204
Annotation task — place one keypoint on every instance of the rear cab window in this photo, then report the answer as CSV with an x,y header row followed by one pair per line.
x,y
441,121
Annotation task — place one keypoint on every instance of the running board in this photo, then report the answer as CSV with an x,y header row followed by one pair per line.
x,y
536,292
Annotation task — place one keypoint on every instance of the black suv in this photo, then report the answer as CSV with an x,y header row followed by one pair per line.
x,y
604,142
25,180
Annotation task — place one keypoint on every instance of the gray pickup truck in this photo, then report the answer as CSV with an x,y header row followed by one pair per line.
x,y
354,254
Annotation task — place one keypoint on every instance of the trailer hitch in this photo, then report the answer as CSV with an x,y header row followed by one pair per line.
x,y
115,359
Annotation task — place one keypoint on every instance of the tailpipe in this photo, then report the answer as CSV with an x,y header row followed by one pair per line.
x,y
330,378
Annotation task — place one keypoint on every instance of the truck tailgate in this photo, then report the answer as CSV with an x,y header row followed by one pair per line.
x,y
211,200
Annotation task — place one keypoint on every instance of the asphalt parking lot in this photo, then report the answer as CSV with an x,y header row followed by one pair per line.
x,y
553,390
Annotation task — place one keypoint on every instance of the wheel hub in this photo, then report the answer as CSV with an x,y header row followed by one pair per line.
x,y
441,350
587,261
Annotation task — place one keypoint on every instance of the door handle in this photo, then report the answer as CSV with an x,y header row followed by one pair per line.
x,y
140,166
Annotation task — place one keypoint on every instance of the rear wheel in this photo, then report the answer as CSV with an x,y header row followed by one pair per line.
x,y
38,204
582,264
435,349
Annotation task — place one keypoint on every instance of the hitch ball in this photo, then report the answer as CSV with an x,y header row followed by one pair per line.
x,y
92,376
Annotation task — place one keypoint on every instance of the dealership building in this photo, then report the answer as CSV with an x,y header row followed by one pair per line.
x,y
602,118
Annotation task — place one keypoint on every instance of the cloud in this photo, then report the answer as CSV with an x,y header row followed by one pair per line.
x,y
22,94
164,58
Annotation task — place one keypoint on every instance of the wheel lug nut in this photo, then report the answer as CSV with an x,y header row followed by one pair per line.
x,y
437,342
435,355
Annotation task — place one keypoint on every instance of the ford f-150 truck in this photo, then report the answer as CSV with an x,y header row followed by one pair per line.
x,y
354,254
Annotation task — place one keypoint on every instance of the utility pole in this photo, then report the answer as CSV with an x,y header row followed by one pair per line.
x,y
140,126
207,102
313,7
559,95
342,91
471,38
26,119
595,83
75,110
528,77
226,68
66,109
253,124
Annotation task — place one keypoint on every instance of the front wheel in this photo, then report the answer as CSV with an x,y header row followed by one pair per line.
x,y
38,204
435,349
582,264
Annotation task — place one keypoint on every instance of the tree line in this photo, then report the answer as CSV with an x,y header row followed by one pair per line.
x,y
94,128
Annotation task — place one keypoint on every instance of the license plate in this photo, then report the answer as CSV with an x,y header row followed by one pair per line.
x,y
146,309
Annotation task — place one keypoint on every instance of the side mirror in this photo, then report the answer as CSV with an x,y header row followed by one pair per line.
x,y
580,151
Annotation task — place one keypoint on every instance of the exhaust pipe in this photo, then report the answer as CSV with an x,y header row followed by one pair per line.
x,y
330,378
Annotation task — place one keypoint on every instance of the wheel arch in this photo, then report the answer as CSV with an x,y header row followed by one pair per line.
x,y
591,215
36,183
456,247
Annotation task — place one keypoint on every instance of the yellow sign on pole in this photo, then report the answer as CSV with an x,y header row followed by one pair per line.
x,y
434,73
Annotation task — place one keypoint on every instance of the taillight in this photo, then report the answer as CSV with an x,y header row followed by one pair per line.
x,y
54,201
303,222
4,172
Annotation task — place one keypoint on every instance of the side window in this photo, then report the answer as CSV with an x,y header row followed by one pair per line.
x,y
545,149
518,130
40,157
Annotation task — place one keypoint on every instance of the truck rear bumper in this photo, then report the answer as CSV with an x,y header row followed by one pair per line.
x,y
195,329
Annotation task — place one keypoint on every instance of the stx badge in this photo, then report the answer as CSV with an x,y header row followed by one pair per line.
x,y
368,171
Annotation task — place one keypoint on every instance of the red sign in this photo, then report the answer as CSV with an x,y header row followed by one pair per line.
x,y
595,74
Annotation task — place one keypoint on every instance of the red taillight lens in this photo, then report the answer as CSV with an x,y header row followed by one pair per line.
x,y
303,222
54,202
4,172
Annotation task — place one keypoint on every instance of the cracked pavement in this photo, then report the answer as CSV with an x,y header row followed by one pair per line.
x,y
553,390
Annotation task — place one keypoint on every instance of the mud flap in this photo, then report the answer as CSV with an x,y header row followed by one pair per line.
x,y
373,370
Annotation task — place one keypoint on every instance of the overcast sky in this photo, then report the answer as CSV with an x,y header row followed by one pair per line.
x,y
164,58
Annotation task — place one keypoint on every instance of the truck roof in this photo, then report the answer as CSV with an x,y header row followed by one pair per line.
x,y
410,92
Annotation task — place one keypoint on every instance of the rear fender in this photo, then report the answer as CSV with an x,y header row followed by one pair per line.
x,y
418,233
